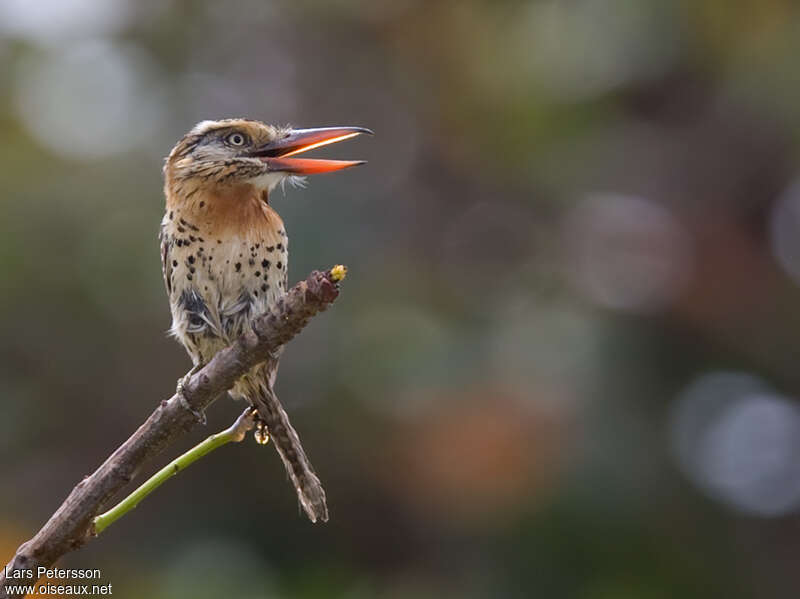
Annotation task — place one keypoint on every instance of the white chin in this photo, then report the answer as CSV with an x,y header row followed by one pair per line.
x,y
268,181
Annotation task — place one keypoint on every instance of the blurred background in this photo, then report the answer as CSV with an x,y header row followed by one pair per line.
x,y
566,362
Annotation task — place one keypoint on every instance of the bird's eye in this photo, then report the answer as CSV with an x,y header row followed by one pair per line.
x,y
236,139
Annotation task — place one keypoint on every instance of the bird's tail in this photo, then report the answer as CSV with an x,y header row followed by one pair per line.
x,y
287,442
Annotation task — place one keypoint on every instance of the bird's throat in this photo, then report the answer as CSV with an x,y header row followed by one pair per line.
x,y
224,211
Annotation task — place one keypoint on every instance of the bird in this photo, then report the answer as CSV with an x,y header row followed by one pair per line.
x,y
225,254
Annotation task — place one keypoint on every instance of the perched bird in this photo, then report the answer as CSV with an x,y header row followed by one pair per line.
x,y
225,254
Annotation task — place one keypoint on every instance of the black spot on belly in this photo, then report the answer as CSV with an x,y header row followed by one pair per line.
x,y
265,263
238,266
279,265
192,302
188,224
257,273
191,259
264,287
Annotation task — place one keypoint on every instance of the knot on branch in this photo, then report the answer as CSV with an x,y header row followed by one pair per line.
x,y
323,287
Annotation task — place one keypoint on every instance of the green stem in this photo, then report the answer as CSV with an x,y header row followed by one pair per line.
x,y
235,433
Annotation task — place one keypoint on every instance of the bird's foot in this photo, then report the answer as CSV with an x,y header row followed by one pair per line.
x,y
200,416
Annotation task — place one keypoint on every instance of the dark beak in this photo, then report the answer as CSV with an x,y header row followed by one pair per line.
x,y
277,153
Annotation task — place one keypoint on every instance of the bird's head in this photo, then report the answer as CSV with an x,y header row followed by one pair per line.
x,y
240,151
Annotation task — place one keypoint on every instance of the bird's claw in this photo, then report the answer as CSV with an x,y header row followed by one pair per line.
x,y
200,416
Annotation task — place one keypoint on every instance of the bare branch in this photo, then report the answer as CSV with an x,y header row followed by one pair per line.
x,y
70,526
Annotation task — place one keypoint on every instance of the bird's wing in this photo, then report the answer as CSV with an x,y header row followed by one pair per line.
x,y
166,265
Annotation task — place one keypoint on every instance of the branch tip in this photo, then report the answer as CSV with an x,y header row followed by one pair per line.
x,y
338,273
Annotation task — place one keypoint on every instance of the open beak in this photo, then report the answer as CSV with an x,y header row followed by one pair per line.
x,y
278,154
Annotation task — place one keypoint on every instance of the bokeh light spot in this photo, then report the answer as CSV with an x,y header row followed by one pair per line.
x,y
50,21
785,230
90,100
626,252
737,440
